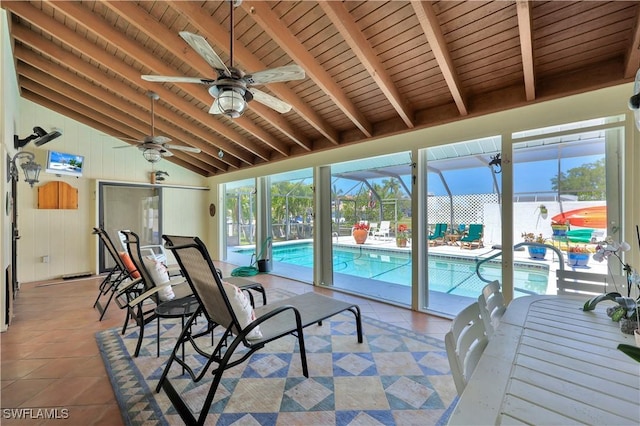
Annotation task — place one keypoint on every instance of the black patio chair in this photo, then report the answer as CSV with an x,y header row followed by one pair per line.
x,y
116,278
242,329
141,307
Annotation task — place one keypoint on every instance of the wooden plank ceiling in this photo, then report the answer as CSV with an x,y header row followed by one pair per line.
x,y
373,68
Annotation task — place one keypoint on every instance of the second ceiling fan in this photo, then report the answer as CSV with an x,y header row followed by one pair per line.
x,y
233,88
155,147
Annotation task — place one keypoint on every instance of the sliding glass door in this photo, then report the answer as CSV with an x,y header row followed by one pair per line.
x,y
132,207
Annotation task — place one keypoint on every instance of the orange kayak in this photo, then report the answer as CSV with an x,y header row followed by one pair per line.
x,y
588,217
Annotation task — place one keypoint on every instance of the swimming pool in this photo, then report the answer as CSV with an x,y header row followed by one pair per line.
x,y
447,274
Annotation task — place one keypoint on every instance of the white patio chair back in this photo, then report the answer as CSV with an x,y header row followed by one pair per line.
x,y
569,282
155,250
383,230
492,307
465,342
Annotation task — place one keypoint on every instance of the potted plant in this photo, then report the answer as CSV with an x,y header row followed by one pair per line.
x,y
559,229
535,252
627,309
402,235
578,255
360,231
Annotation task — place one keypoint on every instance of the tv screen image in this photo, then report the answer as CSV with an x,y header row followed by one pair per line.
x,y
61,163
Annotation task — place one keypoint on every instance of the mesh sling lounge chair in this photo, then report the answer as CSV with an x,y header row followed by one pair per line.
x,y
142,304
115,279
241,329
142,307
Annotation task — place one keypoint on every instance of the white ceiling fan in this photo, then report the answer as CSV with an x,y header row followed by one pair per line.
x,y
232,89
155,147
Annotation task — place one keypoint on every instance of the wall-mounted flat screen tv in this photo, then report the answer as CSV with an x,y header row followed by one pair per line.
x,y
61,163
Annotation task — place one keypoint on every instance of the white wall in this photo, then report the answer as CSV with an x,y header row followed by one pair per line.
x,y
8,124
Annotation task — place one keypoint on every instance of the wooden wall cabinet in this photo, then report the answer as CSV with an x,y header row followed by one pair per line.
x,y
57,195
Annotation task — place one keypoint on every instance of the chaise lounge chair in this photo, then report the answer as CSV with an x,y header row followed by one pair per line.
x,y
222,305
384,230
473,239
118,277
157,289
160,294
437,238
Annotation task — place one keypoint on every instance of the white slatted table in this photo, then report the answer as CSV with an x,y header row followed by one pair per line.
x,y
551,363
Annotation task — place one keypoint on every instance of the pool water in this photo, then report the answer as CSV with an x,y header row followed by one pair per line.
x,y
446,274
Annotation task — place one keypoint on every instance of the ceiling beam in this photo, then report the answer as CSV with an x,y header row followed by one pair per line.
x,y
260,12
525,29
431,28
632,59
347,26
112,36
220,37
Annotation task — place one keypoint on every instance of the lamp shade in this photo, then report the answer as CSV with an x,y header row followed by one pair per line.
x,y
231,103
151,155
31,172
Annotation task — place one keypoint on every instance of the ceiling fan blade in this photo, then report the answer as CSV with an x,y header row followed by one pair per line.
x,y
270,101
125,146
183,148
166,153
274,75
157,139
175,79
204,49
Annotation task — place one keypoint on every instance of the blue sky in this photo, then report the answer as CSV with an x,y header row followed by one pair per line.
x,y
528,177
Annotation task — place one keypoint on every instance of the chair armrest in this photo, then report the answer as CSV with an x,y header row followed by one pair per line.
x,y
154,290
144,296
128,287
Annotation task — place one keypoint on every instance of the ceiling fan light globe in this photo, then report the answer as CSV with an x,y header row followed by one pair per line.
x,y
230,103
151,155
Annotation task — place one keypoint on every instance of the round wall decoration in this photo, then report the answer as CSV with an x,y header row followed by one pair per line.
x,y
212,210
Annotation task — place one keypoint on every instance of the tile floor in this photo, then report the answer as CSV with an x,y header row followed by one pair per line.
x,y
49,358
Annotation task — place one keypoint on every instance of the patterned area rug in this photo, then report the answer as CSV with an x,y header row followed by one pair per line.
x,y
395,376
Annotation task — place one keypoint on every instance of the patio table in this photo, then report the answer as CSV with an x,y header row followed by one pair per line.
x,y
549,362
453,239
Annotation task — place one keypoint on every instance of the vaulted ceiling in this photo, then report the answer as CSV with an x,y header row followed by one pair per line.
x,y
373,68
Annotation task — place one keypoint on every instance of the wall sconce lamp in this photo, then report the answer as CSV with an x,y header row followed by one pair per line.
x,y
496,164
31,168
39,134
